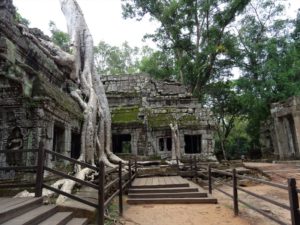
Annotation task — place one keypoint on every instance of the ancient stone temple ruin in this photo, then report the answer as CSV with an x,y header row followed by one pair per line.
x,y
142,110
36,107
34,103
285,130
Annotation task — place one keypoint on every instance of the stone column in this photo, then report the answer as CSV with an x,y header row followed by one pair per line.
x,y
165,145
289,137
297,132
67,141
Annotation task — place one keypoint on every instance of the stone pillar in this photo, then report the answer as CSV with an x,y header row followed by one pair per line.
x,y
281,138
297,132
67,141
165,145
289,137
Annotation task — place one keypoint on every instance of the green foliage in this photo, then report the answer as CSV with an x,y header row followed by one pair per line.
x,y
21,20
59,37
269,62
126,115
113,60
158,64
193,33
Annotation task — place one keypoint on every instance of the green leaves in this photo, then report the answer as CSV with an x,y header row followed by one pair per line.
x,y
193,32
113,60
59,37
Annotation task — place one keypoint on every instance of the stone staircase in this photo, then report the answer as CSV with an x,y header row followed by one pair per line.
x,y
166,190
31,211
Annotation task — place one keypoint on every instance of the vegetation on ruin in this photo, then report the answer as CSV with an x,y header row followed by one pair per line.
x,y
237,56
126,115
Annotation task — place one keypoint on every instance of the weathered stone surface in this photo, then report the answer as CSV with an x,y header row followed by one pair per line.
x,y
283,134
34,101
144,108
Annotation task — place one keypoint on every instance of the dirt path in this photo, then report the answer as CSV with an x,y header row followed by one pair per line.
x,y
181,214
222,213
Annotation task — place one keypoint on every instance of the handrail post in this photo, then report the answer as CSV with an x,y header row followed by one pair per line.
x,y
130,173
195,167
209,179
101,193
235,193
135,167
120,190
294,202
40,171
191,164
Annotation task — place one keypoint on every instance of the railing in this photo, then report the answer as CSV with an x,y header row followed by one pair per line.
x,y
119,184
291,189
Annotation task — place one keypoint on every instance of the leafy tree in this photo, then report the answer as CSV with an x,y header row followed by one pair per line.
x,y
59,37
195,32
116,60
20,19
158,64
267,64
226,109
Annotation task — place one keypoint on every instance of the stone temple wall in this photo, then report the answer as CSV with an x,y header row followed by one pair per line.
x,y
286,133
143,108
34,102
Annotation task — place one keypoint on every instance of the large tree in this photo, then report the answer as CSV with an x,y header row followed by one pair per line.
x,y
194,31
96,128
268,61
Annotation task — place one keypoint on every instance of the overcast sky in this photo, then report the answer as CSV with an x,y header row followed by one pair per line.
x,y
104,18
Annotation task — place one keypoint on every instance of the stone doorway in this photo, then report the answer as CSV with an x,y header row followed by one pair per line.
x,y
75,145
121,143
58,139
192,144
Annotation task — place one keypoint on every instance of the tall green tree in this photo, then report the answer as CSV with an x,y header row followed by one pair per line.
x,y
114,60
226,108
268,59
196,33
158,64
59,37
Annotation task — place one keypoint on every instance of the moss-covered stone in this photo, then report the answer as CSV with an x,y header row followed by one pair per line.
x,y
160,119
156,120
41,87
126,115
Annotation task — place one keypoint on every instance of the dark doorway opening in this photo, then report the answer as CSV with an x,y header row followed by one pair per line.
x,y
121,143
192,144
75,145
169,144
58,140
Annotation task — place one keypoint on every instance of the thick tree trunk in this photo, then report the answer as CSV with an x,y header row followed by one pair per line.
x,y
176,154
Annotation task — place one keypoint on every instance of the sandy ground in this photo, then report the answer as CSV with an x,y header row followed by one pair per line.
x,y
181,214
222,213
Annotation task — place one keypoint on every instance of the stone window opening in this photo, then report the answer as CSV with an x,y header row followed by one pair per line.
x,y
121,143
165,144
192,144
58,140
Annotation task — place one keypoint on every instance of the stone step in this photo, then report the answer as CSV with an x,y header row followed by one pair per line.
x,y
162,190
33,217
59,218
77,221
169,195
161,186
13,207
172,201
